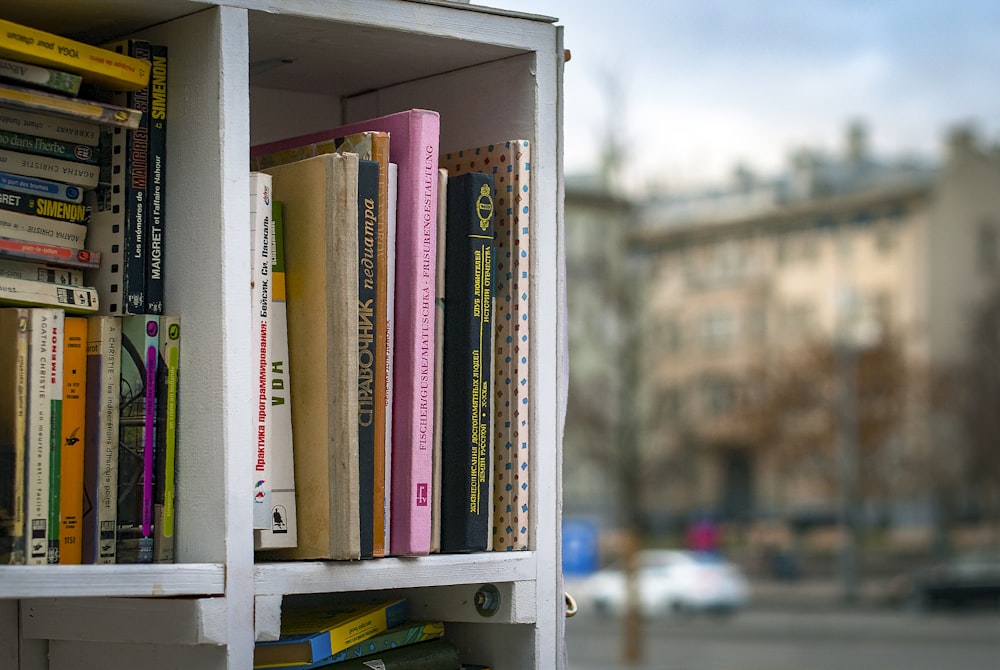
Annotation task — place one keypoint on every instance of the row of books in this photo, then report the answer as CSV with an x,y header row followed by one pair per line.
x,y
88,416
404,297
82,172
320,633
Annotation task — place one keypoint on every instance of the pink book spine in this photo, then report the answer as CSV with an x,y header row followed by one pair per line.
x,y
414,138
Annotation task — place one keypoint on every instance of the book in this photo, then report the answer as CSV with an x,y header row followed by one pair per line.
x,y
369,374
44,187
415,137
137,438
466,428
44,146
13,432
31,228
99,66
74,406
41,416
100,450
319,198
510,163
25,164
35,271
165,460
283,532
374,146
37,76
315,631
82,109
54,378
261,235
440,654
411,632
49,253
73,299
47,208
156,196
438,360
390,301
47,125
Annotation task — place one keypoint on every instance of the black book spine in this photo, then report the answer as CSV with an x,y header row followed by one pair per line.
x,y
368,377
156,219
466,435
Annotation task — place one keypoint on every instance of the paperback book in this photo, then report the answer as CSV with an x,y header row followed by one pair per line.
x,y
72,299
37,76
74,406
164,482
47,125
261,236
49,253
81,109
13,432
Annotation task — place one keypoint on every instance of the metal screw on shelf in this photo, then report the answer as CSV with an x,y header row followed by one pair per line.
x,y
487,600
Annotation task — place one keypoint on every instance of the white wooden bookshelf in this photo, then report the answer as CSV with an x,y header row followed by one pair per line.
x,y
492,75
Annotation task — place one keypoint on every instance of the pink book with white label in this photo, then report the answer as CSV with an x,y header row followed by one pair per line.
x,y
414,137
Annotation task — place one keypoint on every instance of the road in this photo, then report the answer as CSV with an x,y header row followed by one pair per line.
x,y
794,639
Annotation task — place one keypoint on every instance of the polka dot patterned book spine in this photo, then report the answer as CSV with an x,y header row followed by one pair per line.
x,y
510,164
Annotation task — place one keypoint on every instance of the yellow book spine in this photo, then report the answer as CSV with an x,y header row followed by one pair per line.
x,y
73,430
97,65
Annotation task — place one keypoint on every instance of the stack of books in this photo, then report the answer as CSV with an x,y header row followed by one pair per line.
x,y
89,361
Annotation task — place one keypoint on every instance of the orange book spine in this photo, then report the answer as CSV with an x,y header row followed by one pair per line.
x,y
73,416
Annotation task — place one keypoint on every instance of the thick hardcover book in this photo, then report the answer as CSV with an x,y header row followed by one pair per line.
x,y
466,429
100,455
49,253
13,432
368,145
439,359
35,271
44,146
283,532
47,208
31,228
164,482
137,437
54,378
81,109
510,164
314,632
99,66
26,74
320,207
156,195
369,374
42,187
74,406
415,137
46,125
441,654
261,236
73,299
84,175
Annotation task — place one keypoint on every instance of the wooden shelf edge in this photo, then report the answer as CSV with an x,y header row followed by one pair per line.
x,y
73,581
281,578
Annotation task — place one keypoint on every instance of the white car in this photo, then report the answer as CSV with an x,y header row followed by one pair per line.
x,y
672,580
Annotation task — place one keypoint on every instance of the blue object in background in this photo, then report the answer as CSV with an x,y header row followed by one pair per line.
x,y
580,555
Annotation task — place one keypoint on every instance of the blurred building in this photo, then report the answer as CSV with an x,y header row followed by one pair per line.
x,y
843,250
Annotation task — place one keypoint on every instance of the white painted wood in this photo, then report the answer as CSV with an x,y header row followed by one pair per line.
x,y
267,617
186,621
515,603
8,634
68,655
392,573
111,580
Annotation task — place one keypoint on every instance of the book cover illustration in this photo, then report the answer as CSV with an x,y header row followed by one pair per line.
x,y
316,631
415,137
137,437
74,406
167,387
510,163
100,456
283,532
13,432
466,433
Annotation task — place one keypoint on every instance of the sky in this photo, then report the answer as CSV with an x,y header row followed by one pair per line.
x,y
695,87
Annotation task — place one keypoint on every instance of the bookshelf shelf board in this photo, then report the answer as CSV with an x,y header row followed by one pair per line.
x,y
71,581
393,573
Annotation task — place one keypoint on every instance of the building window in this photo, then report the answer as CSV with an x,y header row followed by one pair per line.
x,y
755,325
717,330
986,247
717,396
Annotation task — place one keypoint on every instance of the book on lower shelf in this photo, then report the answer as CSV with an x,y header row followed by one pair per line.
x,y
320,211
13,432
100,457
315,631
466,430
440,654
168,369
509,161
74,406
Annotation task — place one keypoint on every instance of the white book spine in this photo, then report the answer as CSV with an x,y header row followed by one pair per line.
x,y
73,299
261,234
85,175
31,270
47,125
31,228
41,323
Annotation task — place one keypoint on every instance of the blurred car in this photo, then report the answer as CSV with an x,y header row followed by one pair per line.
x,y
970,579
672,580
